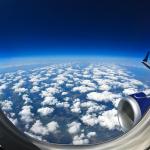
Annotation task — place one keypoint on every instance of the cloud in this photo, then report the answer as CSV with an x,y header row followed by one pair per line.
x,y
80,140
66,99
109,119
6,105
36,79
91,134
49,92
35,89
135,82
76,106
129,91
3,87
64,93
20,90
95,108
97,71
26,98
20,83
39,129
52,126
92,107
89,119
116,102
45,111
74,127
77,89
18,87
21,72
104,87
26,114
88,83
77,80
49,100
147,92
83,89
103,96
62,104
60,79
87,104
17,78
69,85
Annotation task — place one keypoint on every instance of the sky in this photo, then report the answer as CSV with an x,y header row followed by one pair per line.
x,y
74,27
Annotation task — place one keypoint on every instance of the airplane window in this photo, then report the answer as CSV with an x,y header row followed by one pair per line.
x,y
74,72
71,101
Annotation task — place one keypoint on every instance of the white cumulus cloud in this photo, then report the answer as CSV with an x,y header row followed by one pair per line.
x,y
74,127
80,140
109,119
26,114
39,128
44,111
6,105
52,126
83,89
89,119
91,134
103,96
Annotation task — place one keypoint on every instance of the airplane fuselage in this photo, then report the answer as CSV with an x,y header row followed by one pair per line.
x,y
146,64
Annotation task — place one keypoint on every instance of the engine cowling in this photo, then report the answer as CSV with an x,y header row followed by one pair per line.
x,y
131,109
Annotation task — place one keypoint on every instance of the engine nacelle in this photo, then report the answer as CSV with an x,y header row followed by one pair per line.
x,y
132,109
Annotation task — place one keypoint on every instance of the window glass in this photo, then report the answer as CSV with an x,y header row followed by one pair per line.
x,y
65,65
68,101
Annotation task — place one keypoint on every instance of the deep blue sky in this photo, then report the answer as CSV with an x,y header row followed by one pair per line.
x,y
74,27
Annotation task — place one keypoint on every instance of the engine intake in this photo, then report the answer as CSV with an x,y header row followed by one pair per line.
x,y
132,109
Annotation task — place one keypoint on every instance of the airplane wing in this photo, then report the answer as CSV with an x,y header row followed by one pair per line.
x,y
145,60
146,57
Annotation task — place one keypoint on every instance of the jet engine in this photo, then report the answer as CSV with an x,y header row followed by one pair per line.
x,y
131,109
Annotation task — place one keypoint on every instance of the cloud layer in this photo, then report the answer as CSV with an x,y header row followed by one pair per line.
x,y
67,103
